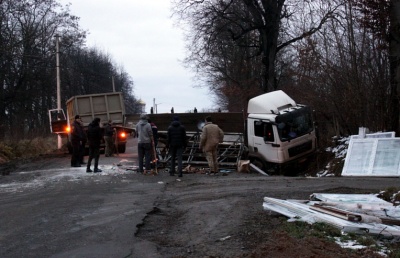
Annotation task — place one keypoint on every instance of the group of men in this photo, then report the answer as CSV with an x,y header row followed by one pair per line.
x,y
210,137
93,135
147,135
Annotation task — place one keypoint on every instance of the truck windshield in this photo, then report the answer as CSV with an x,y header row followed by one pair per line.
x,y
294,124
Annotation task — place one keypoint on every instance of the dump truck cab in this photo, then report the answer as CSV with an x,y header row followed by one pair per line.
x,y
279,130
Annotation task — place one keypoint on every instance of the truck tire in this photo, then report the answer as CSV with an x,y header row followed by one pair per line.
x,y
259,164
273,169
121,148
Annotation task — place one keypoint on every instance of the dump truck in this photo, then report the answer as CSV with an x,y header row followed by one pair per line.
x,y
106,106
275,132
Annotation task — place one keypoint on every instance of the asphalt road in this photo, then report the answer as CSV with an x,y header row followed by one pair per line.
x,y
49,209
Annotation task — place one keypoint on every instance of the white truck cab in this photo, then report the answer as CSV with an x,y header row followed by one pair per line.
x,y
279,130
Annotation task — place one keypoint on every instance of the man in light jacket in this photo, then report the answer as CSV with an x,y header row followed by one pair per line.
x,y
144,133
211,136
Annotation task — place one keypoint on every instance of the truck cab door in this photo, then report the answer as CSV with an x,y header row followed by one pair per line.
x,y
58,122
264,140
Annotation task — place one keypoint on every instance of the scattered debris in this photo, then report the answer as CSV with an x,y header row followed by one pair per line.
x,y
131,168
243,166
351,213
226,171
258,170
224,238
191,169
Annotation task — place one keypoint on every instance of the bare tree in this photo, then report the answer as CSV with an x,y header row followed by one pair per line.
x,y
28,65
259,28
381,17
394,53
343,72
27,43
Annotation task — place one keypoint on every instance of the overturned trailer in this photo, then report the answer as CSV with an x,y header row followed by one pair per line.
x,y
230,150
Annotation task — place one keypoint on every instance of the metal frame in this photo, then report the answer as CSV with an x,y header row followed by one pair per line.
x,y
229,151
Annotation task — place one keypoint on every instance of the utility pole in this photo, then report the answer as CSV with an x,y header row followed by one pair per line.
x,y
113,84
59,145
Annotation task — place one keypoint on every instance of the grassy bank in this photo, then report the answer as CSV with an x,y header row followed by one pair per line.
x,y
28,148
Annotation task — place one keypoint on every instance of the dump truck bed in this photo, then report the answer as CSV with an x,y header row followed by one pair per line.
x,y
106,106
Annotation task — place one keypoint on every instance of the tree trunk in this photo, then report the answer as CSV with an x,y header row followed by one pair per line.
x,y
394,57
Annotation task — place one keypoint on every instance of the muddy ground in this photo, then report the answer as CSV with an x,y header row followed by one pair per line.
x,y
51,210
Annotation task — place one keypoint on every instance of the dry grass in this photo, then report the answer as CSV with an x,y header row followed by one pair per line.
x,y
27,148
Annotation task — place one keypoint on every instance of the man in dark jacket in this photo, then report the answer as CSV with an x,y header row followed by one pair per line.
x,y
154,147
176,143
77,137
94,137
155,132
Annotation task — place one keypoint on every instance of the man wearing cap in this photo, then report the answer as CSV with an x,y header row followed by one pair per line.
x,y
77,137
210,137
144,133
176,143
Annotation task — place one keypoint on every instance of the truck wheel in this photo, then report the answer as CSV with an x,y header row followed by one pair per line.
x,y
121,148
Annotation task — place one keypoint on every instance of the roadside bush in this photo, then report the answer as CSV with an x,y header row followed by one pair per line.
x,y
27,148
6,153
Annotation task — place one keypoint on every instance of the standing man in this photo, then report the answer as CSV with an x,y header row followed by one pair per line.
x,y
94,137
176,143
144,134
154,147
77,137
155,132
108,139
211,136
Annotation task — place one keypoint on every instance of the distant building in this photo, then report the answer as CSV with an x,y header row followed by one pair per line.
x,y
142,106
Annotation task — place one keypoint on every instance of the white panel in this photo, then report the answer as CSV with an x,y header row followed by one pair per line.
x,y
376,135
358,157
387,158
373,157
349,198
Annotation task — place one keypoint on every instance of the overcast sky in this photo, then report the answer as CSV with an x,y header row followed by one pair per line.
x,y
140,36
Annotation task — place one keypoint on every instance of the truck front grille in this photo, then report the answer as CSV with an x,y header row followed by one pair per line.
x,y
294,151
